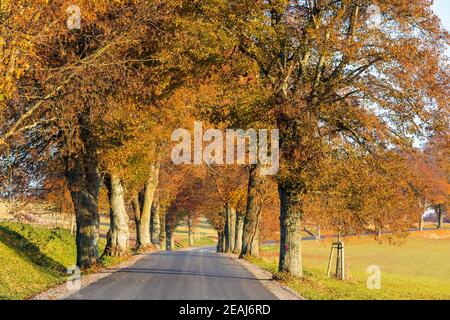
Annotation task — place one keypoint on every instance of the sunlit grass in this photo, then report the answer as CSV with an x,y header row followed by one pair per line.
x,y
416,269
34,258
205,234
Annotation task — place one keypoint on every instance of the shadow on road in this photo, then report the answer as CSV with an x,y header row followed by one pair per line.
x,y
180,272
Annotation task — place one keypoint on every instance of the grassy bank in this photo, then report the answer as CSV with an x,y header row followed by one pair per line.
x,y
416,269
34,258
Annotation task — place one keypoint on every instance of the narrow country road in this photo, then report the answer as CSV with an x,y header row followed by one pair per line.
x,y
195,274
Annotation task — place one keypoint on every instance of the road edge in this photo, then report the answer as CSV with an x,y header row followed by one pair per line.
x,y
278,289
62,291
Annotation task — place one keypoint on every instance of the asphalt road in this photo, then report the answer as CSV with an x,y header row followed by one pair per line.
x,y
196,274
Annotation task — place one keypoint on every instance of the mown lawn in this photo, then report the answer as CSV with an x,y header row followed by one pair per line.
x,y
416,269
34,258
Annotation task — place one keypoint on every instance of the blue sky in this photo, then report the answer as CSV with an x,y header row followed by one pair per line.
x,y
442,9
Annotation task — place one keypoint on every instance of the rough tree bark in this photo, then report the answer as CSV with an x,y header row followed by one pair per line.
x,y
83,181
254,247
117,238
155,222
239,229
137,213
290,236
143,219
162,234
253,211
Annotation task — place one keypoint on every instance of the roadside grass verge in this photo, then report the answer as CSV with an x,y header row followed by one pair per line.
x,y
416,269
34,258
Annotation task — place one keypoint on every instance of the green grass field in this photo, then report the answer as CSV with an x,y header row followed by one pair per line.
x,y
416,269
205,234
35,258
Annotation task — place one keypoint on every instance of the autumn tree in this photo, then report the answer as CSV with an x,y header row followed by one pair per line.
x,y
113,53
357,193
432,170
326,73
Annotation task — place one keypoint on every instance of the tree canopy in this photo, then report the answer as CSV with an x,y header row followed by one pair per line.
x,y
93,108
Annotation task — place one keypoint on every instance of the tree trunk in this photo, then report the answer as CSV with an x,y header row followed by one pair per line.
x,y
421,223
440,216
143,222
72,224
137,214
117,238
168,239
170,243
85,204
232,234
190,231
290,236
162,234
172,240
254,248
155,225
83,182
219,241
238,233
227,232
222,242
252,213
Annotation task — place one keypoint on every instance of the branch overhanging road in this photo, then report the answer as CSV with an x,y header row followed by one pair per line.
x,y
195,274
